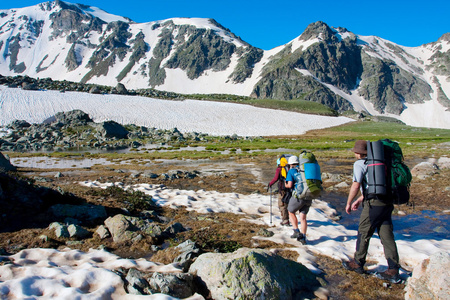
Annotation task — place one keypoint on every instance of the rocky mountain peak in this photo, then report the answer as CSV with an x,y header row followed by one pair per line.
x,y
64,5
445,37
329,65
319,30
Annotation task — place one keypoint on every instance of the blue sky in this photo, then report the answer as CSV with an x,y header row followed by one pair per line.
x,y
268,24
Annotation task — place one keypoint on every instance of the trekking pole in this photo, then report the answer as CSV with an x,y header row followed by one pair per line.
x,y
270,206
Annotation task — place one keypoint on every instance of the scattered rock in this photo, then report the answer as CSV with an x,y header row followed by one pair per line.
x,y
29,86
189,250
68,130
95,90
264,232
176,285
77,232
342,185
174,229
430,278
441,163
60,230
103,232
424,170
19,124
136,283
329,177
126,228
111,129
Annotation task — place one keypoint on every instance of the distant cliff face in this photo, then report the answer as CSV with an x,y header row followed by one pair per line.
x,y
327,65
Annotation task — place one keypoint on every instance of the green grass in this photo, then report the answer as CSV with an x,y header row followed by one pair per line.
x,y
413,140
331,142
297,105
302,106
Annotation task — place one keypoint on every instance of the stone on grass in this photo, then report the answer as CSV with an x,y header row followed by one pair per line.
x,y
126,228
77,231
254,274
103,232
430,278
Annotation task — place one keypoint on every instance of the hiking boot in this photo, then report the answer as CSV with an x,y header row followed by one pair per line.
x,y
390,275
302,239
352,265
285,223
297,234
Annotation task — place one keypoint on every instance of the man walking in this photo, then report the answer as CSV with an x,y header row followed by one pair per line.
x,y
376,215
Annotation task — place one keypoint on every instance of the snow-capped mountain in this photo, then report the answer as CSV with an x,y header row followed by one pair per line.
x,y
332,66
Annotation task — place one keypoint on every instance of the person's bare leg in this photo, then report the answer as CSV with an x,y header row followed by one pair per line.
x,y
294,220
303,224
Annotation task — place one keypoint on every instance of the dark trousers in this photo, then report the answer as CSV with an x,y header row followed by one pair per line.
x,y
377,215
283,205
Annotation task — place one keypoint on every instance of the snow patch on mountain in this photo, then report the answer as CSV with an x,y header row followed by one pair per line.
x,y
101,14
429,114
298,43
215,118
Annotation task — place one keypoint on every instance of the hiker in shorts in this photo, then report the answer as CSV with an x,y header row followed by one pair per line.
x,y
284,194
300,205
376,215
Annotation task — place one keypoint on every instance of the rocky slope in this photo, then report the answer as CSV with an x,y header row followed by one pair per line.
x,y
332,66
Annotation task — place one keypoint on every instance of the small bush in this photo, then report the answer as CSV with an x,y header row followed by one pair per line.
x,y
134,201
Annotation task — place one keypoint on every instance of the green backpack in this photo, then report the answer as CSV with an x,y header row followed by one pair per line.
x,y
397,176
308,180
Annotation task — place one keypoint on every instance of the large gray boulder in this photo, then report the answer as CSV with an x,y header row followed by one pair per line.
x,y
430,278
74,118
5,164
19,124
125,228
112,129
431,167
254,274
121,89
424,170
30,86
442,162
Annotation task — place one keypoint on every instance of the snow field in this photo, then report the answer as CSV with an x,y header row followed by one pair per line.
x,y
214,118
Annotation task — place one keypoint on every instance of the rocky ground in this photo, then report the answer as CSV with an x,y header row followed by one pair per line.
x,y
213,232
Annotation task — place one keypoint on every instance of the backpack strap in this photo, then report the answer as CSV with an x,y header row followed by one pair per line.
x,y
364,180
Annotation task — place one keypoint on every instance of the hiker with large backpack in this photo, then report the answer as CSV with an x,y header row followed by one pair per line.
x,y
305,181
284,194
371,177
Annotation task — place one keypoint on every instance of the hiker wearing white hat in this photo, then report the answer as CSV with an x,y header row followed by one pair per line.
x,y
295,205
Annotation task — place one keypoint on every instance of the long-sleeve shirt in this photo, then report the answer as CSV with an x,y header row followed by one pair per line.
x,y
276,177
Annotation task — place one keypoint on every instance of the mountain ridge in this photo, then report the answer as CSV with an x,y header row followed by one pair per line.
x,y
332,66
